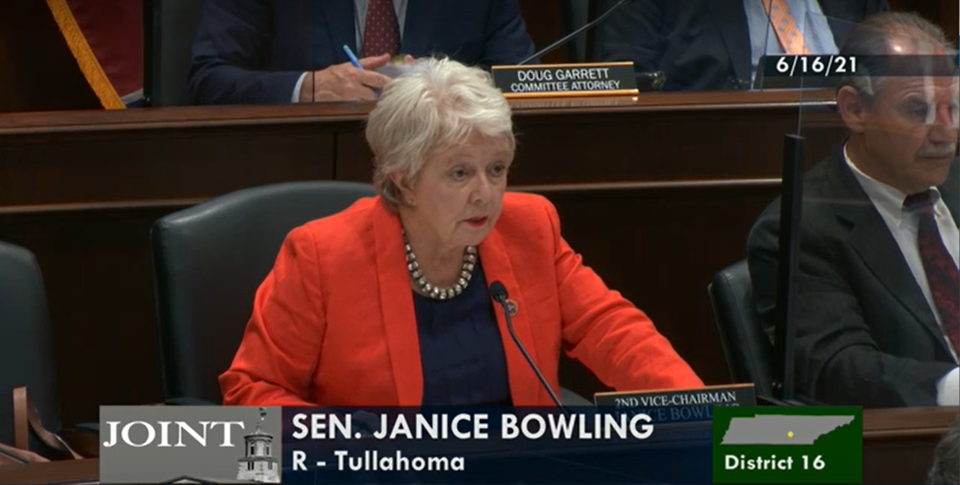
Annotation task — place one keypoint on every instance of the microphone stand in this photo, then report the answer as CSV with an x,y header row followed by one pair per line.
x,y
501,298
563,40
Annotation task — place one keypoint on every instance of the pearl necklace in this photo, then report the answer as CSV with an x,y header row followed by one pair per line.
x,y
435,292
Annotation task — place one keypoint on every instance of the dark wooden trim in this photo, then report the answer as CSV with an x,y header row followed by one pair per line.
x,y
133,205
621,186
675,102
65,209
899,444
64,471
53,122
181,117
901,422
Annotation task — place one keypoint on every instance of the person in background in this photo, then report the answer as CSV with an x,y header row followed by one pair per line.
x,y
877,302
388,303
946,459
709,45
282,51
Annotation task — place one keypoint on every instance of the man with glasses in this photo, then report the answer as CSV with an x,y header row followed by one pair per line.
x,y
878,296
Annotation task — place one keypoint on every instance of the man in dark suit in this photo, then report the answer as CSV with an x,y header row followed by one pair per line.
x,y
877,289
281,51
716,44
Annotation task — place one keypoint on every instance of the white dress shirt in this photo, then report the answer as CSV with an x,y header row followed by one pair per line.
x,y
903,227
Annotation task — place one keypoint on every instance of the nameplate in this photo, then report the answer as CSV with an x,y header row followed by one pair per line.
x,y
678,405
730,395
547,80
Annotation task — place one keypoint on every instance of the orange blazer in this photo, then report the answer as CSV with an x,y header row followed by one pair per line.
x,y
333,324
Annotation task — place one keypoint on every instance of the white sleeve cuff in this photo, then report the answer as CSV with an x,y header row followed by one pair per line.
x,y
296,89
948,389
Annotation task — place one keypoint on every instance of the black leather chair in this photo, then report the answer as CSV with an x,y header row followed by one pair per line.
x,y
170,26
747,348
26,346
209,261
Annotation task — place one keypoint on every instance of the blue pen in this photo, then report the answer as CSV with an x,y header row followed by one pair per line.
x,y
352,57
356,64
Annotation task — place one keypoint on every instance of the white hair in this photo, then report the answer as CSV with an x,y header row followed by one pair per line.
x,y
870,39
437,105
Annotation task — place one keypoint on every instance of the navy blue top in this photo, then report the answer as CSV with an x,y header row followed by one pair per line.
x,y
460,348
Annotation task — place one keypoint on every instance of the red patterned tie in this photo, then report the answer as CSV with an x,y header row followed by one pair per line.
x,y
381,31
939,266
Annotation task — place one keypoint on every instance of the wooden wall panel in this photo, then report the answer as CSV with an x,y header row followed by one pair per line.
x,y
660,247
899,444
84,197
941,12
37,70
544,21
147,166
97,270
949,13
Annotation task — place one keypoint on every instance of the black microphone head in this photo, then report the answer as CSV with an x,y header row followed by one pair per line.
x,y
498,292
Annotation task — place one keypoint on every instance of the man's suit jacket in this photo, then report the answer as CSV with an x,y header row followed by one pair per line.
x,y
334,322
865,334
701,44
254,51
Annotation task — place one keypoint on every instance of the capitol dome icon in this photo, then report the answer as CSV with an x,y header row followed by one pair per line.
x,y
259,464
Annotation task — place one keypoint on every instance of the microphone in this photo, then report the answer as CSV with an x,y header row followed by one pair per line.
x,y
499,294
563,40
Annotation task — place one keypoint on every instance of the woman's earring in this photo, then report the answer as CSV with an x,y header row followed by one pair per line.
x,y
410,202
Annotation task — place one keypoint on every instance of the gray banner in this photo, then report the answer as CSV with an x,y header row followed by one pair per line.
x,y
152,444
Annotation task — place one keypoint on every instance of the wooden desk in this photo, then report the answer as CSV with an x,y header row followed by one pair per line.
x,y
63,472
658,194
898,444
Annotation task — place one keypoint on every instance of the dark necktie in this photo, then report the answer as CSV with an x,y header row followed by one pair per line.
x,y
938,264
381,31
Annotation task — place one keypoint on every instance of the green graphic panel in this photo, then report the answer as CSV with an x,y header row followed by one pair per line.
x,y
787,445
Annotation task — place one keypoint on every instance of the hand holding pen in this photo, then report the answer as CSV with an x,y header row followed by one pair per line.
x,y
354,80
359,65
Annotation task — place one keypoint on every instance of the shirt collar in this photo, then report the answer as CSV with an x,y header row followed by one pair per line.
x,y
883,196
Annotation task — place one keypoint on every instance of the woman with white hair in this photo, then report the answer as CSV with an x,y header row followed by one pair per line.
x,y
387,303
